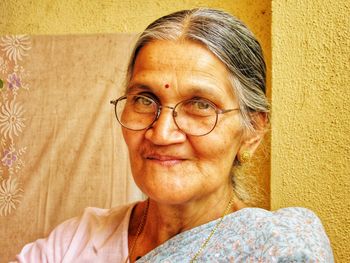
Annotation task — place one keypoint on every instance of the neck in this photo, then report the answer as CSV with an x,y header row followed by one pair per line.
x,y
166,221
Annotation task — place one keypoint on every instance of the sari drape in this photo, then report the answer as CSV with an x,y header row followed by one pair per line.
x,y
248,235
251,235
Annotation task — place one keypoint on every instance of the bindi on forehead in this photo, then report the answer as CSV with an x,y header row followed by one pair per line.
x,y
166,86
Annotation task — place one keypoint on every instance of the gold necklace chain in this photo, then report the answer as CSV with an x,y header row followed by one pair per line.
x,y
205,243
139,230
212,232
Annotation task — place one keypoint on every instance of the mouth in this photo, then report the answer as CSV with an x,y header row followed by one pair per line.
x,y
165,160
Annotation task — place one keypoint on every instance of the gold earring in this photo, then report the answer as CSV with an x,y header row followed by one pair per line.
x,y
245,157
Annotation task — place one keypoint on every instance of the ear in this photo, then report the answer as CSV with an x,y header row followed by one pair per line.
x,y
252,139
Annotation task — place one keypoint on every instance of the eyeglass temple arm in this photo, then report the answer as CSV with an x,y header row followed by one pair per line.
x,y
225,111
114,102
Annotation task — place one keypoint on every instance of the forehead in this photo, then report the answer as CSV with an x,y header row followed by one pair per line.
x,y
177,54
182,64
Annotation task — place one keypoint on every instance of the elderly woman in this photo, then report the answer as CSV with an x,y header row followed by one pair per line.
x,y
194,108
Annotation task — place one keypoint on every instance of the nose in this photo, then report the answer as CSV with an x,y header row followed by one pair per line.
x,y
164,131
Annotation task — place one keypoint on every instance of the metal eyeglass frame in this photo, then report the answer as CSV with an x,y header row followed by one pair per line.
x,y
174,113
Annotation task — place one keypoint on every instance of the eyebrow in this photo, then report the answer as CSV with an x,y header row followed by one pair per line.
x,y
208,92
191,89
136,87
201,90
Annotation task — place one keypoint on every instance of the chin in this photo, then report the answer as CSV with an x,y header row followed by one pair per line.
x,y
169,195
170,200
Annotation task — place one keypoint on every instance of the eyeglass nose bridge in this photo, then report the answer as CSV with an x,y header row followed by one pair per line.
x,y
159,110
160,107
174,114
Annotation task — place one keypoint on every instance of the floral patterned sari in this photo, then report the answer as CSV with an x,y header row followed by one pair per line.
x,y
251,235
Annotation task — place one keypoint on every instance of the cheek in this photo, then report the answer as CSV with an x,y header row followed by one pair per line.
x,y
220,146
133,140
212,154
227,139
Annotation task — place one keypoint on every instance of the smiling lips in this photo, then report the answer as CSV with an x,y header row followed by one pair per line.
x,y
165,160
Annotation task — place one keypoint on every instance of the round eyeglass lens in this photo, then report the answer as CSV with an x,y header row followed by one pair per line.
x,y
136,112
196,117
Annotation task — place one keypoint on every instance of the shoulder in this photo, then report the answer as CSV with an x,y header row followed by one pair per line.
x,y
303,235
86,232
296,218
299,223
99,217
91,221
288,234
287,218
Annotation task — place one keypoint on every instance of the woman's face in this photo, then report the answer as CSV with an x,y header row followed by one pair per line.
x,y
168,165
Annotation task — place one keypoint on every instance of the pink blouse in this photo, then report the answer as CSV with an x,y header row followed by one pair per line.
x,y
99,235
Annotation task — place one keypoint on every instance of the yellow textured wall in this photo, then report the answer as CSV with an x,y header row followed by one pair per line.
x,y
311,113
109,16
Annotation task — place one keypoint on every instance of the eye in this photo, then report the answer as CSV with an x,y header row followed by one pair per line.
x,y
143,104
201,104
142,100
198,107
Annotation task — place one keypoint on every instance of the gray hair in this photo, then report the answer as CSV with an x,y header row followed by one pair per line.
x,y
230,41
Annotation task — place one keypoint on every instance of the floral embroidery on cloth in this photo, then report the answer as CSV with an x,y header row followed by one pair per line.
x,y
13,49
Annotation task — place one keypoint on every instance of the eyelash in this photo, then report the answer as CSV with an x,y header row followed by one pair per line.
x,y
149,95
201,98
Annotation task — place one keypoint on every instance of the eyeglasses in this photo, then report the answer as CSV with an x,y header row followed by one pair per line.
x,y
195,117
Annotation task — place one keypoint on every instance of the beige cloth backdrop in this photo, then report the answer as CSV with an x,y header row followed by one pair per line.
x,y
61,148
